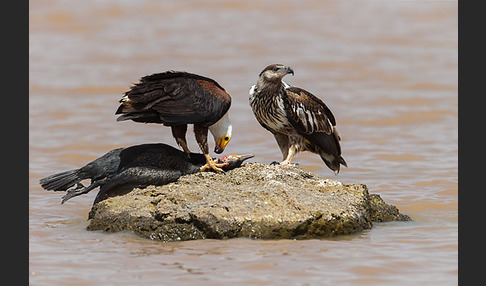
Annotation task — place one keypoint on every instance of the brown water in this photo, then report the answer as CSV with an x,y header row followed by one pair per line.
x,y
387,69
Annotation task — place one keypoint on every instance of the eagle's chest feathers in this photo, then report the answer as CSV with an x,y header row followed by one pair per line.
x,y
269,110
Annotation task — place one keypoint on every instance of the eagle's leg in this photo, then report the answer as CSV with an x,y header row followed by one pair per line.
x,y
292,151
287,145
201,133
183,144
179,133
212,164
283,144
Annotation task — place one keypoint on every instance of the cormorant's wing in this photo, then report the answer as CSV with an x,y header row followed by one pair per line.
x,y
307,113
175,98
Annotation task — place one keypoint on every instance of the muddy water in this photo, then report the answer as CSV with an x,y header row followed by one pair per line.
x,y
387,69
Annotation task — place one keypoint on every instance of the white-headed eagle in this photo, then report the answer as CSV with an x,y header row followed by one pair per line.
x,y
299,120
176,99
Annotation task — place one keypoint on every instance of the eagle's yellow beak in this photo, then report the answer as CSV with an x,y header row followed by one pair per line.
x,y
221,144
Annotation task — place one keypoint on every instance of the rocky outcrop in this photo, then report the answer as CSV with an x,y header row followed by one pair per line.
x,y
255,201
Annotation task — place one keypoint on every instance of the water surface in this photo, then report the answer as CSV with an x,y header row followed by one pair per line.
x,y
387,70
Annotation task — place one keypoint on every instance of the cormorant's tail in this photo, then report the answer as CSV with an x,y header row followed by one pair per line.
x,y
61,181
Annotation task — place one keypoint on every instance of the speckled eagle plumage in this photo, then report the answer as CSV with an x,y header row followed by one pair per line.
x,y
307,112
299,120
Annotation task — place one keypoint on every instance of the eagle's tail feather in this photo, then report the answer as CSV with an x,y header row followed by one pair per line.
x,y
327,146
143,117
333,163
342,162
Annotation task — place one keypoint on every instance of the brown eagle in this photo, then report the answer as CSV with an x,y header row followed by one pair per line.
x,y
176,99
299,120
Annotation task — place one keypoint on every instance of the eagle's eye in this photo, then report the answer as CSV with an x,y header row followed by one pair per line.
x,y
275,69
226,138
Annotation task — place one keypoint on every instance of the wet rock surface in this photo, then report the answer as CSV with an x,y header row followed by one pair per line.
x,y
255,201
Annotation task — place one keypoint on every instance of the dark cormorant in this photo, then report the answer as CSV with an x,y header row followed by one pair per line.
x,y
299,120
134,166
177,99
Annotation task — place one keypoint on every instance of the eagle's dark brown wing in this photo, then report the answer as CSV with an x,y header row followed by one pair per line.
x,y
175,98
307,113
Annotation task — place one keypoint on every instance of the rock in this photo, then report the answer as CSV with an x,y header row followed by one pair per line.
x,y
383,212
255,201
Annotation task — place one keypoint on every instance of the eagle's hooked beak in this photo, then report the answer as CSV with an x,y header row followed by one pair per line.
x,y
221,144
289,70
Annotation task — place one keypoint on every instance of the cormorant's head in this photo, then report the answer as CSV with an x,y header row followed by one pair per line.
x,y
234,161
275,72
222,131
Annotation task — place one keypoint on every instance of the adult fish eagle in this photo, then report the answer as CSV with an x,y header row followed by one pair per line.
x,y
176,99
299,120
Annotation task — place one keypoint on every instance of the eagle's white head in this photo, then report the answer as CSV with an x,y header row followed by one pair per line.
x,y
222,131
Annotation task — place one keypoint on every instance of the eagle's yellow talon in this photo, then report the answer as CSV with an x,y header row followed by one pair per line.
x,y
212,164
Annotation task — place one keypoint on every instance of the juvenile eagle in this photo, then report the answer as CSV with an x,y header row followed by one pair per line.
x,y
176,99
299,120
